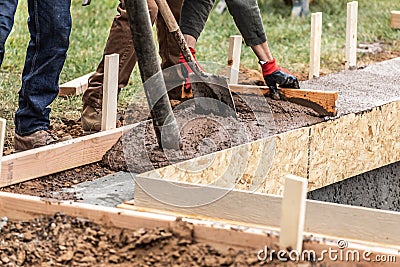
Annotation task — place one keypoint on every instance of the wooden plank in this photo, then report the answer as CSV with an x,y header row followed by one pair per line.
x,y
2,137
235,47
315,45
354,144
293,211
38,162
24,207
325,101
395,19
110,92
327,219
76,86
351,35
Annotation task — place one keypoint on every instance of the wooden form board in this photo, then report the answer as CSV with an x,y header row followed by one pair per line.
x,y
351,35
315,45
76,86
324,102
327,219
23,207
34,163
110,92
395,19
293,211
324,153
2,136
235,47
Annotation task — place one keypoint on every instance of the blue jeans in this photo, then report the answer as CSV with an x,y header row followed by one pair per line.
x,y
49,25
7,11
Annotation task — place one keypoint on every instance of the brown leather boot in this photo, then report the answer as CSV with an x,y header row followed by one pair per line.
x,y
91,119
37,139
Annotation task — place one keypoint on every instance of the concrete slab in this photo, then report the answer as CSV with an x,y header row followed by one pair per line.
x,y
362,89
108,191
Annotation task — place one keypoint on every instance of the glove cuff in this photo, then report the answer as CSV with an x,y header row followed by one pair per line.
x,y
269,67
182,58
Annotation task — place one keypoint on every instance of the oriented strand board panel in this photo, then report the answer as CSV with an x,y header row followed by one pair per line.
x,y
354,144
256,166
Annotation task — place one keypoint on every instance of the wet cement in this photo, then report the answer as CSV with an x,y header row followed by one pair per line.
x,y
362,89
378,189
257,117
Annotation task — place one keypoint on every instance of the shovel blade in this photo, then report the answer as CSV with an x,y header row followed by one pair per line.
x,y
212,95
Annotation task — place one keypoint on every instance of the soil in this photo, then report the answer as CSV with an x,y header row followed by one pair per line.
x,y
61,240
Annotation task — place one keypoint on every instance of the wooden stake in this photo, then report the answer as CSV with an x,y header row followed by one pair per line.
x,y
2,136
235,46
110,92
293,213
351,35
315,45
395,19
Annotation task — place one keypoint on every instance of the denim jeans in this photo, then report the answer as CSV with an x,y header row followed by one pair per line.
x,y
7,11
49,25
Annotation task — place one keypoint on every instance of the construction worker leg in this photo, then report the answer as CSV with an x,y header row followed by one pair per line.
x,y
119,41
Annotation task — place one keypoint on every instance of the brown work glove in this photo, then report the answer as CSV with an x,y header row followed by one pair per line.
x,y
274,75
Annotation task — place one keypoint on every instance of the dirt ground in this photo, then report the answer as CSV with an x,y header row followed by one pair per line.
x,y
61,240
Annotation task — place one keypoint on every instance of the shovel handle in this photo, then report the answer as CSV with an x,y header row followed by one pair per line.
x,y
167,15
173,27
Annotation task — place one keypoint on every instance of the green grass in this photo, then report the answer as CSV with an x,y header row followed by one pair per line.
x,y
288,39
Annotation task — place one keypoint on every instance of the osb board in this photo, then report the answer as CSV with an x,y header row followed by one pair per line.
x,y
354,144
257,166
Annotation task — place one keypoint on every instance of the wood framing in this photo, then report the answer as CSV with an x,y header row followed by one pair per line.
x,y
2,137
323,102
76,86
315,45
351,35
324,153
34,163
110,92
293,211
395,19
202,202
23,207
235,47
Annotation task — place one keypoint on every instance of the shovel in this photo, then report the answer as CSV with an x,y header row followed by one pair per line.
x,y
211,92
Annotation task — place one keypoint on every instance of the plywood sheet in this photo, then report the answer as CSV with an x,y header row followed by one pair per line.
x,y
256,166
354,144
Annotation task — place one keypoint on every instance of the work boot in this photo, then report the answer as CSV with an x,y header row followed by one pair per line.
x,y
37,139
91,119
